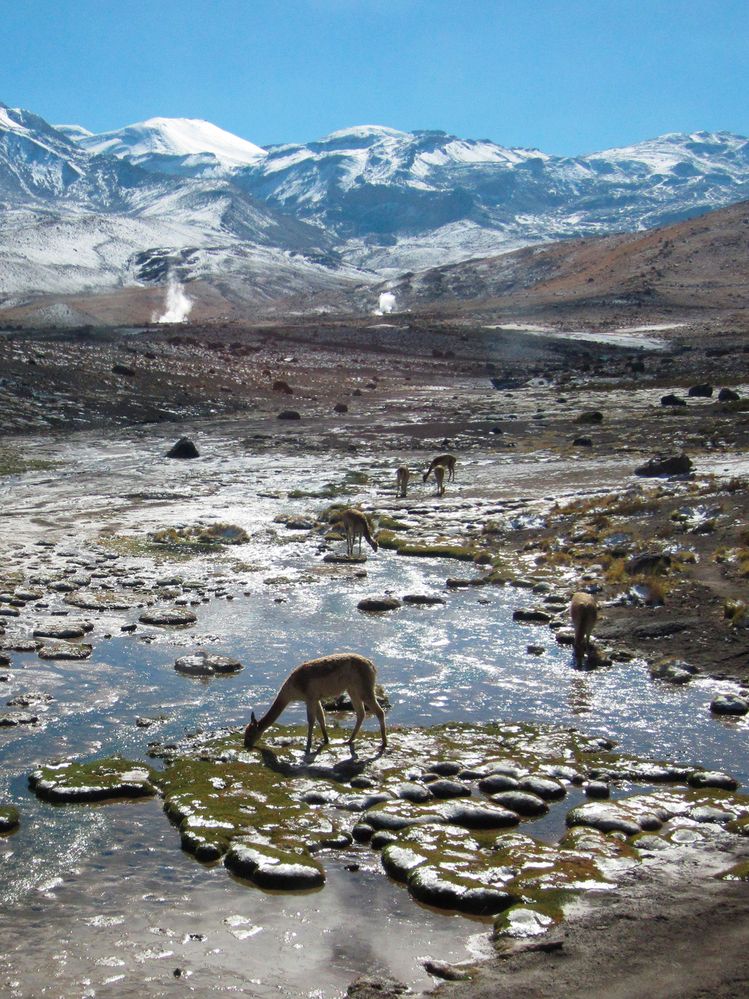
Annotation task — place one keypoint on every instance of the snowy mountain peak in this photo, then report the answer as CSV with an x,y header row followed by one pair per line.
x,y
175,137
74,132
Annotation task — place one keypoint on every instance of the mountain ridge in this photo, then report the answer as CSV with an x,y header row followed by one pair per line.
x,y
84,212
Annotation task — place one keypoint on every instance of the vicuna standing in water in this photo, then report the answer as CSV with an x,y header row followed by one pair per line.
x,y
584,612
402,476
447,461
356,526
328,676
439,478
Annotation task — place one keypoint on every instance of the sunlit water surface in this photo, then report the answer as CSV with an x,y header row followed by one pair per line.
x,y
114,876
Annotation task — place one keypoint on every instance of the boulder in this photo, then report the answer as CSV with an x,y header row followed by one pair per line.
x,y
9,819
205,664
672,400
184,448
591,416
340,407
728,395
729,704
701,391
583,442
378,604
665,465
289,414
531,615
173,616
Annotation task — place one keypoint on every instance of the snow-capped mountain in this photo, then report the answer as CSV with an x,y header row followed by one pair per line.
x,y
83,211
73,220
183,146
390,197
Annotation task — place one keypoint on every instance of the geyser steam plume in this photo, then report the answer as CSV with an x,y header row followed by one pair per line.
x,y
386,303
178,305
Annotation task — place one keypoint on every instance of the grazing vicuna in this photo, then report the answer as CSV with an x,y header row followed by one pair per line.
x,y
356,527
328,676
584,612
447,461
439,478
402,476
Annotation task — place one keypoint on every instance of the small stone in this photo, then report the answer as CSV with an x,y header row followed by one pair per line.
x,y
712,778
729,704
378,604
184,449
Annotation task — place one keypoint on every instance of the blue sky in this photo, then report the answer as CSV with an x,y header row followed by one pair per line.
x,y
566,76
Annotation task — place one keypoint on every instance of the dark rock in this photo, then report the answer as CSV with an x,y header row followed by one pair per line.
x,y
377,604
289,414
376,987
272,871
728,395
65,650
123,369
184,448
605,818
597,789
712,778
672,400
414,792
495,783
531,615
471,816
279,385
173,617
701,391
729,704
665,465
583,442
445,768
9,818
69,630
340,407
431,888
425,599
522,802
205,664
591,416
10,719
444,788
544,787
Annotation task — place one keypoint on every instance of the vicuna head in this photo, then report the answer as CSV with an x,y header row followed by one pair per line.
x,y
252,732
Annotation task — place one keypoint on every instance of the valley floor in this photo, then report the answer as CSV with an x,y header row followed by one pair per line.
x,y
551,431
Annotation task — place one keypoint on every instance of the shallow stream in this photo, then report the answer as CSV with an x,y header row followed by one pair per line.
x,y
114,876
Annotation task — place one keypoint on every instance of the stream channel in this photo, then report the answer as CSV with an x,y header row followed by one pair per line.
x,y
100,900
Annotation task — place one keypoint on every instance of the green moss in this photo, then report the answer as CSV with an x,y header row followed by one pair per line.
x,y
93,780
438,550
9,818
739,872
12,462
387,523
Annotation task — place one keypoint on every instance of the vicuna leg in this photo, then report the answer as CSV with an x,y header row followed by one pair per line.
x,y
360,712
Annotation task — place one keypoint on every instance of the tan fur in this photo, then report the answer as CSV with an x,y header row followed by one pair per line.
x,y
356,526
439,478
584,613
402,476
447,461
328,676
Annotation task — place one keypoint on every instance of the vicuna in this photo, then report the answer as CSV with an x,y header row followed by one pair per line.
x,y
328,676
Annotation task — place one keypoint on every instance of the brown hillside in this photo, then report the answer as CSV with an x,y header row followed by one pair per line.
x,y
702,263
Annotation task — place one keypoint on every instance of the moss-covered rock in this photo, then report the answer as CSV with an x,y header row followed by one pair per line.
x,y
9,819
96,780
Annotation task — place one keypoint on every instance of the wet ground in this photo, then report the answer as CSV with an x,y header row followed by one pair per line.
x,y
112,877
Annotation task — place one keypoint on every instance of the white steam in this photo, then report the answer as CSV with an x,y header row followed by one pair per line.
x,y
386,304
178,305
